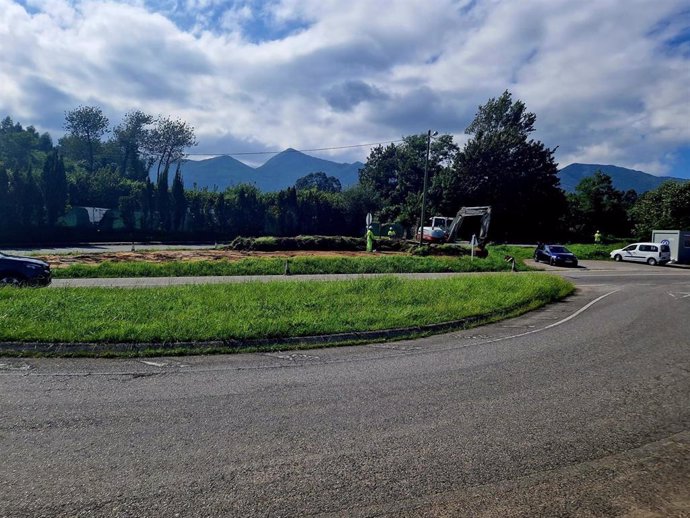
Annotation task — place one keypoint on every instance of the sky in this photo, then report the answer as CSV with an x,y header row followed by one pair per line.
x,y
609,80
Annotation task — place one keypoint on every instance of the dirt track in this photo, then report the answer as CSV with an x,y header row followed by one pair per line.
x,y
161,256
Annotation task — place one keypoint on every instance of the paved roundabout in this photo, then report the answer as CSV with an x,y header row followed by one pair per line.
x,y
578,409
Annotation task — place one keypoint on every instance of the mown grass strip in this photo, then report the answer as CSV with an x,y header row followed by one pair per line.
x,y
261,310
582,251
297,265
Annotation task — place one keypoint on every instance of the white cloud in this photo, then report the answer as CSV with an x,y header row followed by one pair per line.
x,y
606,85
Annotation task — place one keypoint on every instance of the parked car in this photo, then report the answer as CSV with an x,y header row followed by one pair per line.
x,y
555,255
650,253
23,271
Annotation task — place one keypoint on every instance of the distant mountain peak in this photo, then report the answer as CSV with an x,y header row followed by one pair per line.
x,y
623,179
278,172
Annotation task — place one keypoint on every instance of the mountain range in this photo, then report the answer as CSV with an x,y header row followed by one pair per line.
x,y
278,173
284,169
622,178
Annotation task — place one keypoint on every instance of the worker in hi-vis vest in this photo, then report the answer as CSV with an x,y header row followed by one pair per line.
x,y
597,237
370,240
391,232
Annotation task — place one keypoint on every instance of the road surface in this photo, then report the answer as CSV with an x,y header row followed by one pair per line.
x,y
579,409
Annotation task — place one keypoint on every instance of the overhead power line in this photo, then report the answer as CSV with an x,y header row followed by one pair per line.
x,y
242,153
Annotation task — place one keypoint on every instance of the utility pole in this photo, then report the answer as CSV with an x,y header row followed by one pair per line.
x,y
426,181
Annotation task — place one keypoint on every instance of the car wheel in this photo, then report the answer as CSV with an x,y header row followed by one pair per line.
x,y
10,280
651,261
618,258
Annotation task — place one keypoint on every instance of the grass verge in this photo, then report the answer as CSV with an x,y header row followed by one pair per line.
x,y
297,265
240,313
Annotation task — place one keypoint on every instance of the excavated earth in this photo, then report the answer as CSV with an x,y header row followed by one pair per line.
x,y
162,256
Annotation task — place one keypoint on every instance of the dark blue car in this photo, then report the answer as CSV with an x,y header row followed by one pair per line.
x,y
555,255
23,271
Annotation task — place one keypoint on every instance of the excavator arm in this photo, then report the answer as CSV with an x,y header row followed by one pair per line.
x,y
466,212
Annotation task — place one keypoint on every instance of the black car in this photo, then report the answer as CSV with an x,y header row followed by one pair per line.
x,y
23,271
555,255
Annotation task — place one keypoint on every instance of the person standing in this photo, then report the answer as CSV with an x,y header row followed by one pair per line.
x,y
597,237
370,240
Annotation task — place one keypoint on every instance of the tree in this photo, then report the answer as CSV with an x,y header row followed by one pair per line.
x,y
5,200
666,207
163,200
166,142
245,210
88,124
319,181
132,135
501,167
396,174
597,205
21,148
179,202
54,187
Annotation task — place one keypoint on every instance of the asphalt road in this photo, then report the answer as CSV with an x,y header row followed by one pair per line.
x,y
579,409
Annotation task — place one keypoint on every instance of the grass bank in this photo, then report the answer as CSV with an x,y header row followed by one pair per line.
x,y
297,265
262,310
582,251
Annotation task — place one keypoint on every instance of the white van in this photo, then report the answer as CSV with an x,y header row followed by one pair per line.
x,y
650,253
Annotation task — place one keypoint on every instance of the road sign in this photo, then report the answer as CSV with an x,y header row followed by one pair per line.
x,y
665,242
369,219
474,241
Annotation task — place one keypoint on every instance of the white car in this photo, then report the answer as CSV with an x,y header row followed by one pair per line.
x,y
650,253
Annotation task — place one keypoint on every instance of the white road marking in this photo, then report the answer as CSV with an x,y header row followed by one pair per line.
x,y
155,364
562,321
679,294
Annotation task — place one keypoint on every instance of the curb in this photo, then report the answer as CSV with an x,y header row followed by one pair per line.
x,y
96,348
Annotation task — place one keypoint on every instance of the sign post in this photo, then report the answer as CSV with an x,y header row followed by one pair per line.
x,y
473,243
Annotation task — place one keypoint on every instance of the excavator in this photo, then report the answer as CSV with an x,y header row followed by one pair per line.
x,y
444,229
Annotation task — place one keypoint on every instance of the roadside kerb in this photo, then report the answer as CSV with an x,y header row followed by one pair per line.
x,y
233,345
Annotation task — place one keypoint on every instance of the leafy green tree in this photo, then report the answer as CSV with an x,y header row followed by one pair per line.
x,y
666,207
357,202
21,148
102,188
320,212
319,181
597,205
129,206
396,174
87,124
502,167
166,142
54,187
245,210
131,136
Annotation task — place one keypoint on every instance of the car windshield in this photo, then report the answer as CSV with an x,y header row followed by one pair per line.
x,y
559,250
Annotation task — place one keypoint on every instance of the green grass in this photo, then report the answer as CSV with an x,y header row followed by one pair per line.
x,y
297,265
262,310
582,251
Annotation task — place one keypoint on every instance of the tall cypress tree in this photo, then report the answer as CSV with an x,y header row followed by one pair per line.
x,y
5,200
163,200
179,202
54,187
